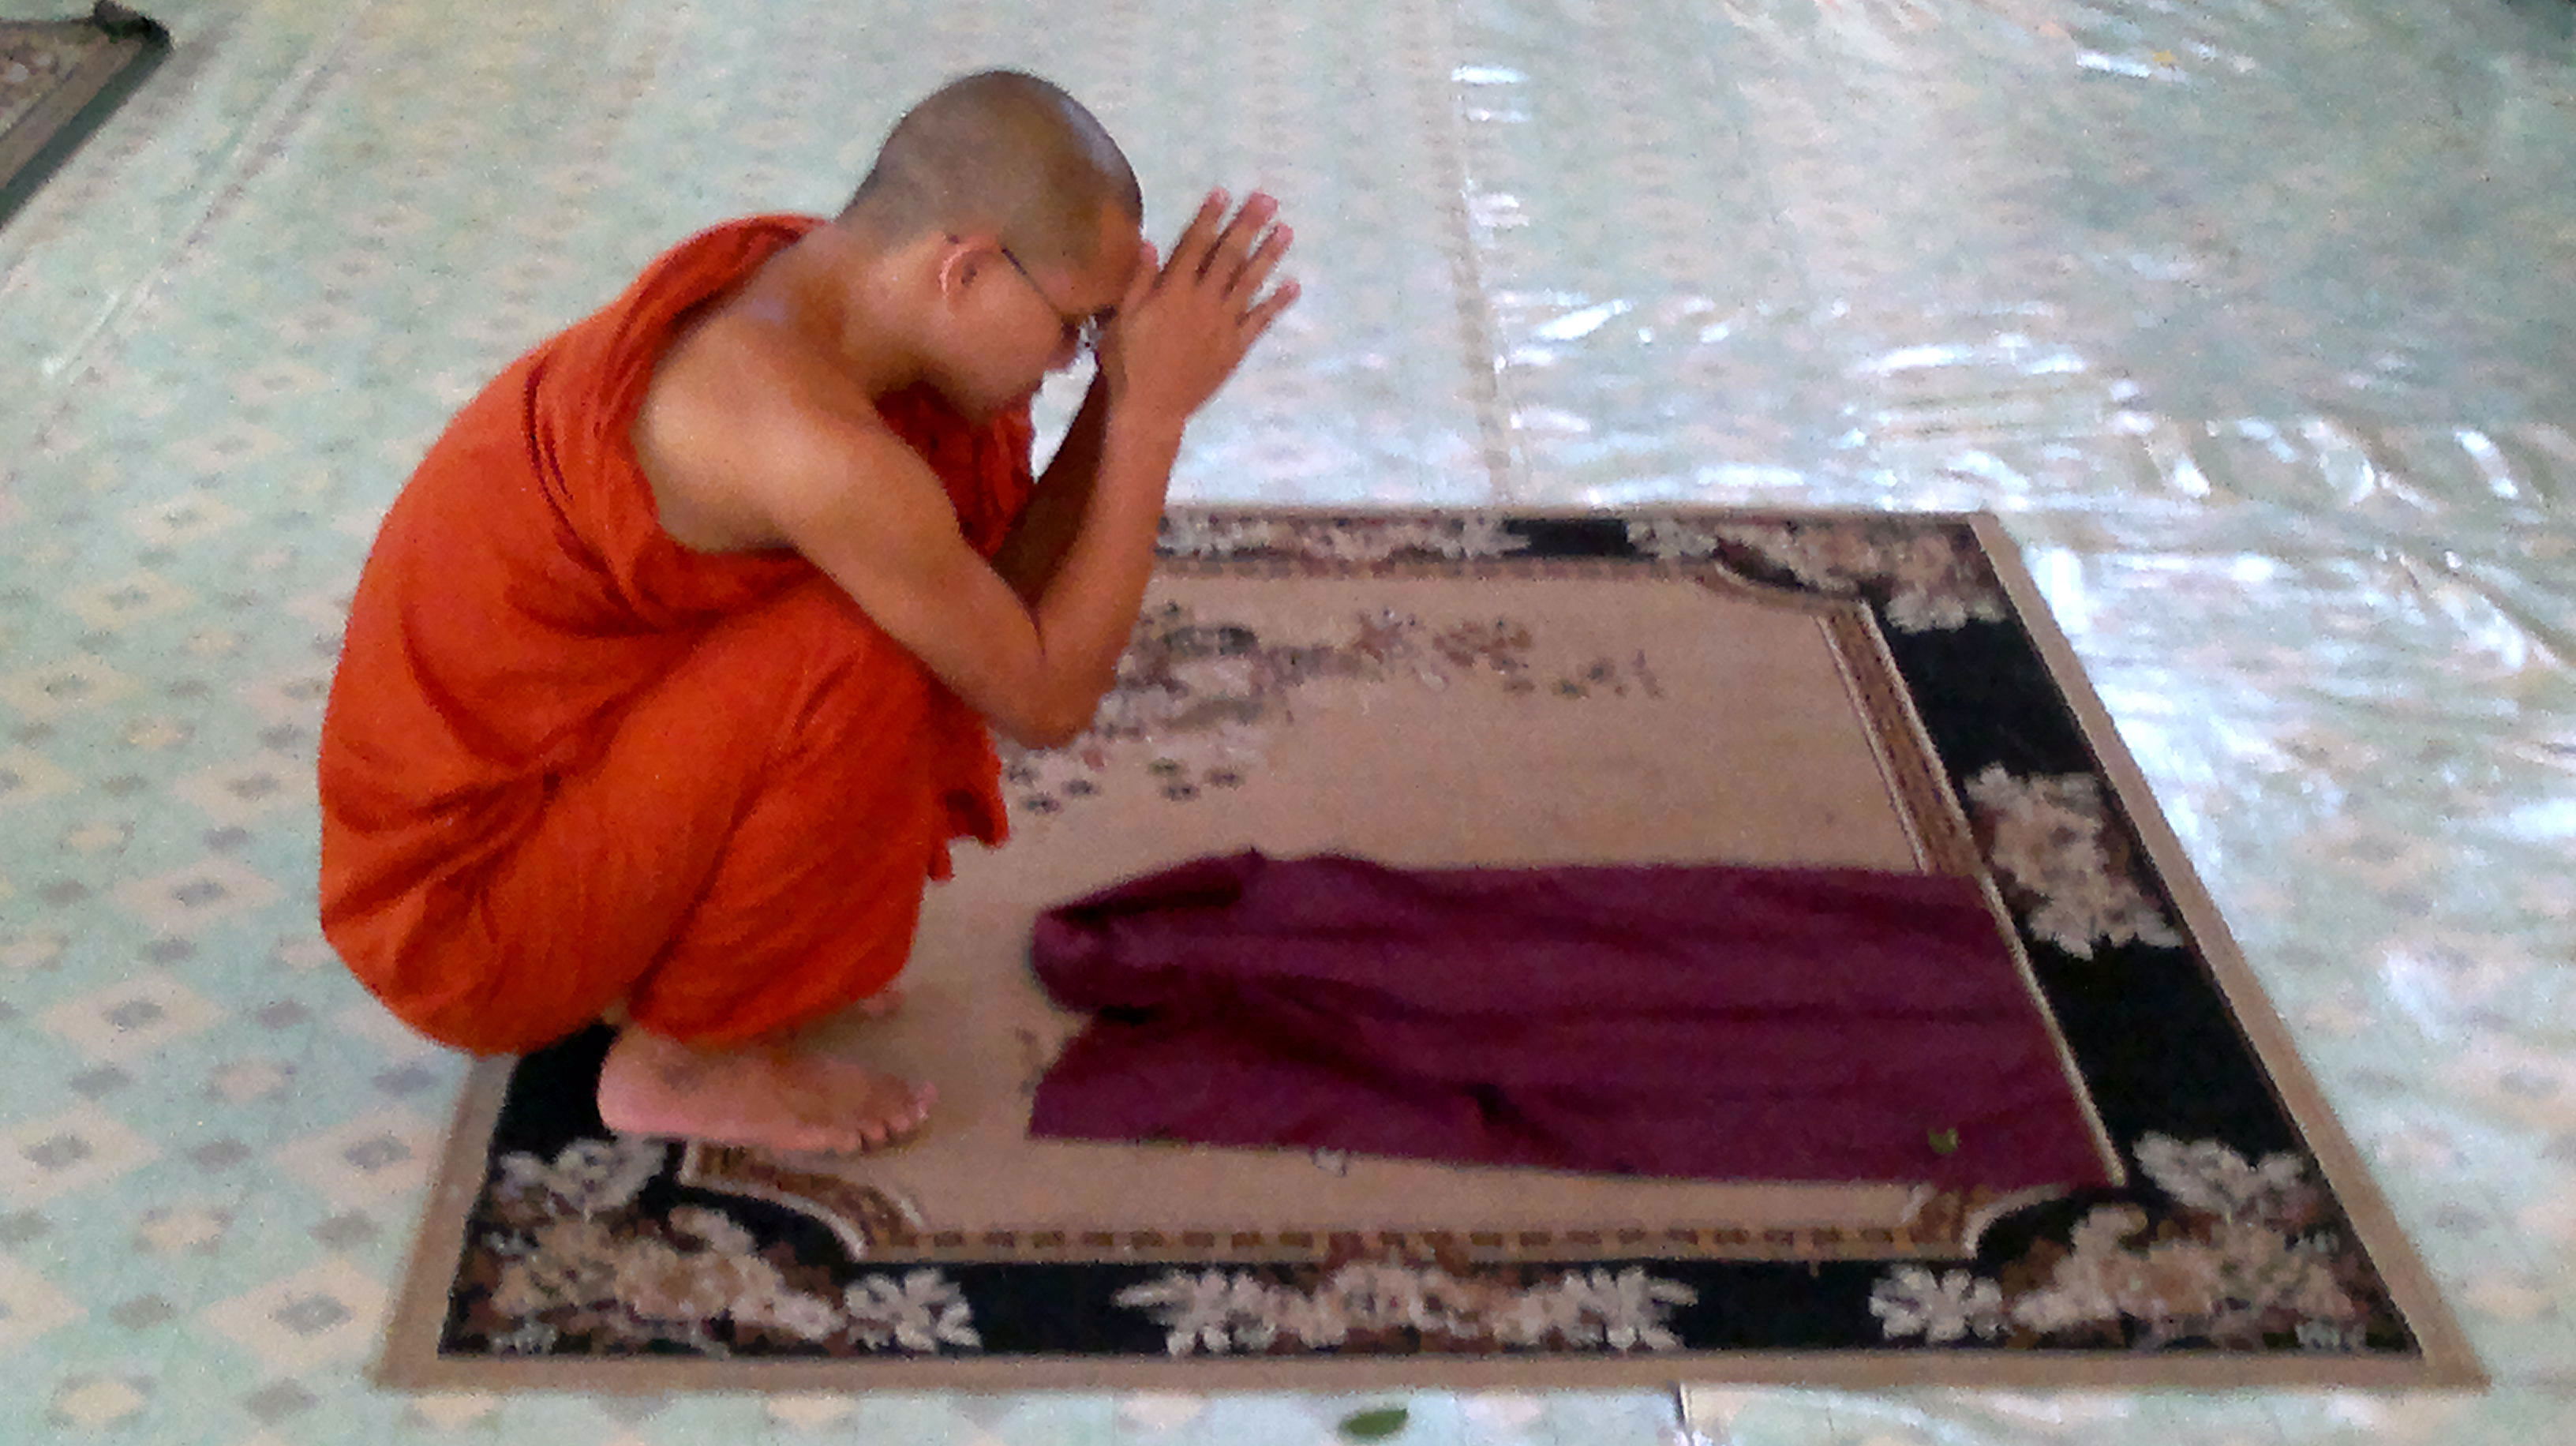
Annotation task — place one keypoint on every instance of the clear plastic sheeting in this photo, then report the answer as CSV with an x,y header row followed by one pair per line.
x,y
2253,318
1901,252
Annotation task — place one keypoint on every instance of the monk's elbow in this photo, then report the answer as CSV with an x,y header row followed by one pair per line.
x,y
1051,727
1054,735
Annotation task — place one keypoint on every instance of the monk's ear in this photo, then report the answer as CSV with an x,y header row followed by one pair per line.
x,y
960,260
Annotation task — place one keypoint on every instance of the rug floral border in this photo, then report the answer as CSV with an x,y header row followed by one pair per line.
x,y
2246,1245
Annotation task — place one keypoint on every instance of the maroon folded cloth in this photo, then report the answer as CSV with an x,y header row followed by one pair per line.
x,y
1676,1020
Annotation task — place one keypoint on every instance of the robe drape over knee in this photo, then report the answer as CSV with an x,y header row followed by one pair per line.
x,y
568,762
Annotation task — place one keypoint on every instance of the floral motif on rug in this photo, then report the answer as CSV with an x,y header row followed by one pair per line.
x,y
1197,698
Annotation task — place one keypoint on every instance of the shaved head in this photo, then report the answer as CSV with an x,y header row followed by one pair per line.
x,y
1005,154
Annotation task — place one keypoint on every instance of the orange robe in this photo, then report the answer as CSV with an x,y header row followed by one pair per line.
x,y
567,762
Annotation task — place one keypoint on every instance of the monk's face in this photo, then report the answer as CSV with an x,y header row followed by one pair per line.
x,y
1033,319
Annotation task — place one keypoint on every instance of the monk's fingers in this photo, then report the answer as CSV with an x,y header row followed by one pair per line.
x,y
1140,285
1255,271
1258,319
1190,250
1240,237
1149,269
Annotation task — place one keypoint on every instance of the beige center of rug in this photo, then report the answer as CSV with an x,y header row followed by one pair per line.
x,y
1539,713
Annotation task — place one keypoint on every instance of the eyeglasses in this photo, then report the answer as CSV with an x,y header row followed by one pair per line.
x,y
1082,331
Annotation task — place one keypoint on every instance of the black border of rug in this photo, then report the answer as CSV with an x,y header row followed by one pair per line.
x,y
2241,1160
44,139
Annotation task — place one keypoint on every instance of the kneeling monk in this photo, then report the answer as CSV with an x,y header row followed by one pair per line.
x,y
667,679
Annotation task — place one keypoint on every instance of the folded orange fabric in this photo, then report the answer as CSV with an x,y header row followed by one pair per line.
x,y
567,762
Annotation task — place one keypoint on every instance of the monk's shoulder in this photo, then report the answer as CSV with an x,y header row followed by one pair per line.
x,y
739,422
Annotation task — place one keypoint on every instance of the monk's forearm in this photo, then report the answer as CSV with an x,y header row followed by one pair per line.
x,y
1088,607
1028,559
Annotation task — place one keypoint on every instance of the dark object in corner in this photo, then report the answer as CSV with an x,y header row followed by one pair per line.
x,y
124,23
85,70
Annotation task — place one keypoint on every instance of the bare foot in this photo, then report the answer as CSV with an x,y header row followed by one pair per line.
x,y
775,1096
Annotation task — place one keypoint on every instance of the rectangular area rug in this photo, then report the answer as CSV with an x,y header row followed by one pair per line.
x,y
58,80
1765,688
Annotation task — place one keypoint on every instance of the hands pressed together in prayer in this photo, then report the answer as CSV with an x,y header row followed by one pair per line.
x,y
1186,323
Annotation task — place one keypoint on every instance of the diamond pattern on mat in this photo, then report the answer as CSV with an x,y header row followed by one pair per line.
x,y
278,380
91,1084
157,733
365,1161
307,953
363,523
57,689
183,519
348,1231
94,1403
117,603
30,1305
216,1156
328,608
227,448
186,1228
295,697
631,1410
243,1080
240,790
32,951
142,1313
321,322
79,1149
324,1313
187,899
394,1041
131,1018
1147,1412
809,1412
448,1411
277,1402
1502,1414
98,836
410,1079
26,775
